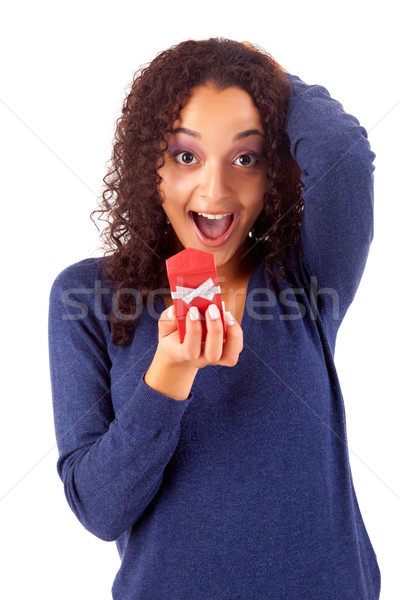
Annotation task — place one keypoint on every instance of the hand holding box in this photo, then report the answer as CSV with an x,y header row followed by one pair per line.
x,y
193,280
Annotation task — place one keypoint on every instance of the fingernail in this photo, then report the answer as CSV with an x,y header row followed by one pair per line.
x,y
194,313
213,311
170,313
229,318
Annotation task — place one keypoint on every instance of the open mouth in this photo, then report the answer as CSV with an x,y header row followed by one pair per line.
x,y
213,226
213,229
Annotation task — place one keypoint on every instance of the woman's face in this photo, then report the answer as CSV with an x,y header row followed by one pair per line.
x,y
214,166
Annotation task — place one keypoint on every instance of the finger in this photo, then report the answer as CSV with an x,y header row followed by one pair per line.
x,y
248,44
234,342
191,346
167,323
214,340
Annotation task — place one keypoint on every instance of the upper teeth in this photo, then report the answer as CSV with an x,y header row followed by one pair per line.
x,y
214,216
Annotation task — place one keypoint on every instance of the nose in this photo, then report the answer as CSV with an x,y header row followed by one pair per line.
x,y
214,181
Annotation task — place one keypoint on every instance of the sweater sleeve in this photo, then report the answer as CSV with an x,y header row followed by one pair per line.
x,y
334,155
111,464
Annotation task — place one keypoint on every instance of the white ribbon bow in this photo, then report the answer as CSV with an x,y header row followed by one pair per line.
x,y
205,290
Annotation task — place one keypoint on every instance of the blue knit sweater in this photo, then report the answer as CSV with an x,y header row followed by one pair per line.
x,y
244,490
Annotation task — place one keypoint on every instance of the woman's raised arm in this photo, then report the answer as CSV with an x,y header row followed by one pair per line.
x,y
333,152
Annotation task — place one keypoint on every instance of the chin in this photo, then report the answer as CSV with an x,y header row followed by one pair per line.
x,y
221,257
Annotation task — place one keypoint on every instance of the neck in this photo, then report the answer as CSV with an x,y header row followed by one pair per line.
x,y
241,265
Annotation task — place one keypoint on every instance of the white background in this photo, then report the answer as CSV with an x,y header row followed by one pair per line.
x,y
66,67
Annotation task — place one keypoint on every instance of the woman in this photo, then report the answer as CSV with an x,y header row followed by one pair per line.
x,y
220,468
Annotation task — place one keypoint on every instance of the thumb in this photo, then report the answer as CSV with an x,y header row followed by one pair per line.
x,y
167,322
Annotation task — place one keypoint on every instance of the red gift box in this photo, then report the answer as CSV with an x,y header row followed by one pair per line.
x,y
193,280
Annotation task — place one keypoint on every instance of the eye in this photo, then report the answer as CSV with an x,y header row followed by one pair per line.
x,y
248,160
186,158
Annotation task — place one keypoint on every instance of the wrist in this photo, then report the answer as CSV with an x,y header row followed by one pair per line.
x,y
169,377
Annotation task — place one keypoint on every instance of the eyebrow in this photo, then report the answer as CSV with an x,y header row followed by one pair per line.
x,y
238,136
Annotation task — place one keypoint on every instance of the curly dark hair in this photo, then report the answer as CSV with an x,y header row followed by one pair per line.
x,y
137,239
